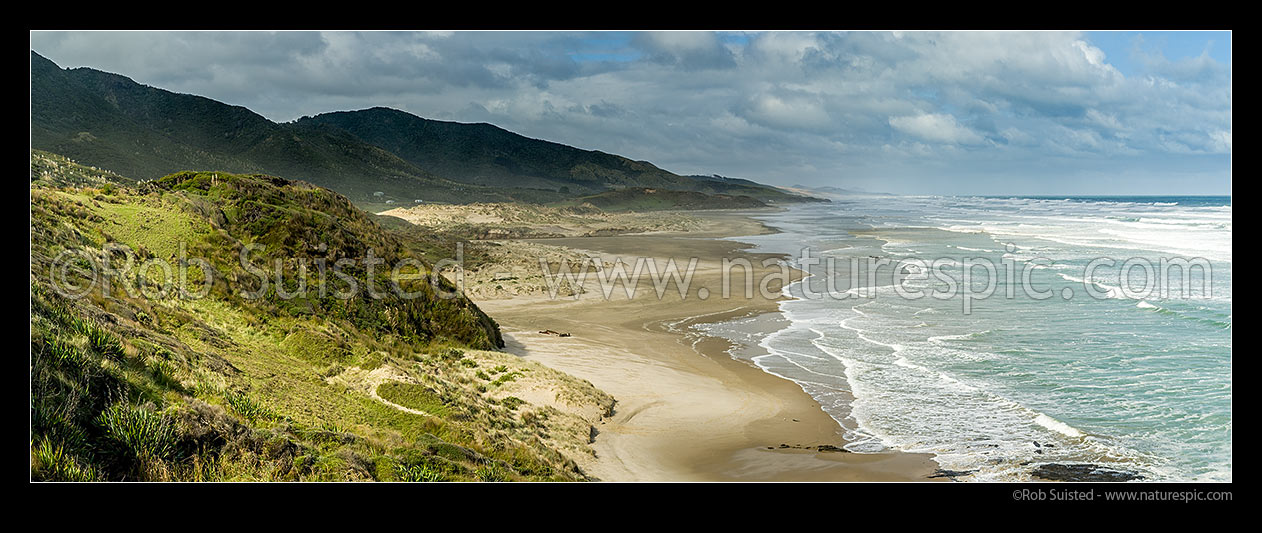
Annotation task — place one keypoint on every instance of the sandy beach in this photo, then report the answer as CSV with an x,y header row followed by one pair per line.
x,y
686,410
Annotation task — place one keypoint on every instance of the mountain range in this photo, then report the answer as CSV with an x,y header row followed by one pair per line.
x,y
376,155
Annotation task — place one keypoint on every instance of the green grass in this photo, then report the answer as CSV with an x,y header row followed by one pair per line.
x,y
54,169
156,226
128,387
652,199
505,378
512,402
414,396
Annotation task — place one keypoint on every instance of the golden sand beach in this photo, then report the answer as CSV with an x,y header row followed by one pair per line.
x,y
686,410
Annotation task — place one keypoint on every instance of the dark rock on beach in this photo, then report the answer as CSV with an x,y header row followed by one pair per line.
x,y
1082,472
950,474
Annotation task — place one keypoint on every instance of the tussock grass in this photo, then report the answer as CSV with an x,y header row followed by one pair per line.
x,y
139,433
423,472
51,462
247,407
163,373
104,342
65,353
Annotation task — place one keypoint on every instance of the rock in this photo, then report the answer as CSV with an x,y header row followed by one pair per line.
x,y
950,474
831,448
1082,472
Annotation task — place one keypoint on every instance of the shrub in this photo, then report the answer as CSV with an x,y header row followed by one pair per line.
x,y
163,372
246,407
423,472
511,376
104,342
65,354
490,473
512,402
332,427
139,433
51,463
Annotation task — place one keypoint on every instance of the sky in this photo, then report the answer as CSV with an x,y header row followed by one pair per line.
x,y
1072,113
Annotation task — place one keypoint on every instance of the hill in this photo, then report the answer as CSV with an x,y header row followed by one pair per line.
x,y
110,121
160,352
380,157
646,199
374,156
484,154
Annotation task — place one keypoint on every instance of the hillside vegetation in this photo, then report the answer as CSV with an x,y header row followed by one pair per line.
x,y
484,154
377,157
52,169
110,121
140,379
646,199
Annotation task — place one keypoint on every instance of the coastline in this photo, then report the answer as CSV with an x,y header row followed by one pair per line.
x,y
687,410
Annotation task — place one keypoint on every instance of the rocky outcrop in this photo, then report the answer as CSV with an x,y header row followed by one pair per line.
x,y
1082,472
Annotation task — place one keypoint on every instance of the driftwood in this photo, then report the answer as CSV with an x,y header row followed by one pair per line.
x,y
557,333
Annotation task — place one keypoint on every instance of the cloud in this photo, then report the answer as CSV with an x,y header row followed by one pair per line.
x,y
687,50
789,113
936,128
877,109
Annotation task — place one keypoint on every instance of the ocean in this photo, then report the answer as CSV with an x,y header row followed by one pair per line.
x,y
1088,348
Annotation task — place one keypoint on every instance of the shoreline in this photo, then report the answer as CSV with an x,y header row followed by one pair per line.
x,y
687,409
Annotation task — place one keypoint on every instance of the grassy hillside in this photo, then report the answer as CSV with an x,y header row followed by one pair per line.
x,y
55,170
138,379
645,199
110,121
378,157
485,154
716,184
